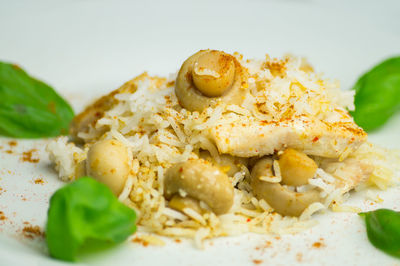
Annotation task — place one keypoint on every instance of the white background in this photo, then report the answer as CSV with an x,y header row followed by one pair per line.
x,y
85,48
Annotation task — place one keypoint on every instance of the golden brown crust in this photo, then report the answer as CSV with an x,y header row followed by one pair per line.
x,y
249,137
96,110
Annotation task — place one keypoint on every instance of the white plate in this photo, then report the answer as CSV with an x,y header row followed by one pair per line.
x,y
86,48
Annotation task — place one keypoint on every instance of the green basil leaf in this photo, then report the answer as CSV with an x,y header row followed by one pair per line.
x,y
30,108
86,213
383,229
377,95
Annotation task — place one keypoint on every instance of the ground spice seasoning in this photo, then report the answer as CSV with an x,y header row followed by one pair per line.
x,y
39,181
12,143
27,156
140,241
31,231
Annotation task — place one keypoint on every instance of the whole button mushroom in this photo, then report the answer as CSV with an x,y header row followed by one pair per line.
x,y
279,197
201,181
208,77
180,203
108,163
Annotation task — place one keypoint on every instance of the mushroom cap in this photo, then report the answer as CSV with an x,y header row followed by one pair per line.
x,y
108,162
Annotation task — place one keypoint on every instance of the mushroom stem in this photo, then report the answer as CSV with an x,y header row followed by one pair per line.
x,y
180,203
213,73
202,181
283,200
227,163
296,167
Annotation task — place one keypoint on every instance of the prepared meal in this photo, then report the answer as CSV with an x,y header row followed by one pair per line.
x,y
227,145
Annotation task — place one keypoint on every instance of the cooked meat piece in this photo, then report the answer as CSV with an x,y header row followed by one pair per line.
x,y
248,137
349,173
